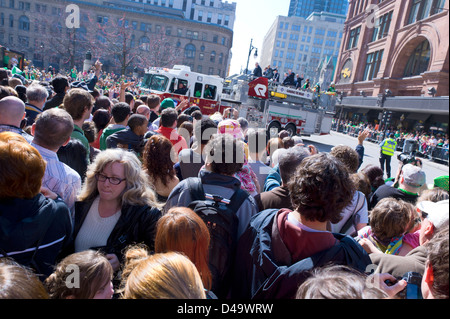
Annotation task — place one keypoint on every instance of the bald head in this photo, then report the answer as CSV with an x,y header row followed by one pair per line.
x,y
12,111
143,110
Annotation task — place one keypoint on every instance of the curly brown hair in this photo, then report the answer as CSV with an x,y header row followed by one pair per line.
x,y
158,159
347,155
321,188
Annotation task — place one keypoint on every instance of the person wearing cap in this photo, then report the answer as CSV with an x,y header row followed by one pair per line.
x,y
412,178
434,219
169,103
388,147
441,182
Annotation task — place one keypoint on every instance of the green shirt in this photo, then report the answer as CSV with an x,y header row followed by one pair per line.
x,y
78,134
109,130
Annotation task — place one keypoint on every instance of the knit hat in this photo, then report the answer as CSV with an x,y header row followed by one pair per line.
x,y
230,126
167,103
441,182
414,176
437,213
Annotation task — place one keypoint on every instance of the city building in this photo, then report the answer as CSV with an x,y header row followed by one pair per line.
x,y
302,45
394,57
124,34
303,8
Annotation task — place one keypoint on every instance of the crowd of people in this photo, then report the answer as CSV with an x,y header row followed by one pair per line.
x,y
429,143
290,79
108,192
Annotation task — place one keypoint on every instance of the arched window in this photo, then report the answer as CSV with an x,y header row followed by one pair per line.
x,y
221,58
419,60
189,51
213,56
144,43
24,23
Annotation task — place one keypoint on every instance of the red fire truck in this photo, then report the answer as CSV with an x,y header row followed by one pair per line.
x,y
263,103
180,83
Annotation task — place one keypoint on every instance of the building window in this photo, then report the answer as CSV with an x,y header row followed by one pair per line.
x,y
354,37
213,56
11,21
189,51
422,9
144,43
24,23
381,30
373,63
419,60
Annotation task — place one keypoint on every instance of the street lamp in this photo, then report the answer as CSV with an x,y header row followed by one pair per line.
x,y
249,53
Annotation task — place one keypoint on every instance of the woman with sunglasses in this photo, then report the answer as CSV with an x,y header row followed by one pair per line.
x,y
116,207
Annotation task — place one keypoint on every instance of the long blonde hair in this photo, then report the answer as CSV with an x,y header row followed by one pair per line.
x,y
160,276
138,191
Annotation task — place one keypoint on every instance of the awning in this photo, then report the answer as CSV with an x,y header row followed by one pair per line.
x,y
418,116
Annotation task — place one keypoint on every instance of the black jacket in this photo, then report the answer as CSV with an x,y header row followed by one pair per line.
x,y
55,101
137,224
126,137
257,72
290,79
29,223
264,269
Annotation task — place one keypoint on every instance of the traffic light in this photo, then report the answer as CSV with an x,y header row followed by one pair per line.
x,y
388,117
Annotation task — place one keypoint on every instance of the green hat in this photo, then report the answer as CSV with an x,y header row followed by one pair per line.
x,y
441,182
167,103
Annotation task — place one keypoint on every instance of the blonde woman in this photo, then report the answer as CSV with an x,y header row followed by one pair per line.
x,y
116,206
160,276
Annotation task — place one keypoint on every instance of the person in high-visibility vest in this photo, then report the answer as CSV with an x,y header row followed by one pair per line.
x,y
388,147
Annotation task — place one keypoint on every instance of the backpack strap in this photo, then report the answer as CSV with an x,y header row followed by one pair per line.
x,y
237,199
351,219
198,193
196,188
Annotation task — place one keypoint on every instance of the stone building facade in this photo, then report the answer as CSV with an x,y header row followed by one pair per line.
x,y
203,44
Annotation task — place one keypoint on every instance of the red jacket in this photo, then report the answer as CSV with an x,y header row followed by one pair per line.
x,y
178,141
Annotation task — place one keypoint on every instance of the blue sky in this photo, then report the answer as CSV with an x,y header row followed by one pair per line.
x,y
253,20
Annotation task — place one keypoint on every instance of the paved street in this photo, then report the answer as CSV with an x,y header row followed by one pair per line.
x,y
371,153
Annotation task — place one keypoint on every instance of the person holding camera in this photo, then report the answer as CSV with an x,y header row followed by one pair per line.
x,y
388,147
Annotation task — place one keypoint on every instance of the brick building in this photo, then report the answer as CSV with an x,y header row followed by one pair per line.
x,y
394,56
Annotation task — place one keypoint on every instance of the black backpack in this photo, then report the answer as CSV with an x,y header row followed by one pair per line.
x,y
220,217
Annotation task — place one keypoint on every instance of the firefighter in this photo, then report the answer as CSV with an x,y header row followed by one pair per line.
x,y
388,147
